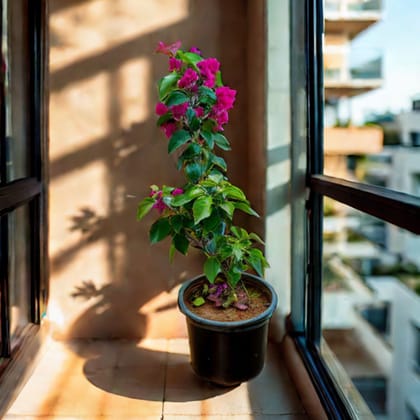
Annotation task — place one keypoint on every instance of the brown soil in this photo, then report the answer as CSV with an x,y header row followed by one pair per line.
x,y
257,305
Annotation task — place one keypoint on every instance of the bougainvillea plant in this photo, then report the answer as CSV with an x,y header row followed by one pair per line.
x,y
192,111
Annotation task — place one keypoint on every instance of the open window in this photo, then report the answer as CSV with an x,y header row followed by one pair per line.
x,y
381,211
23,247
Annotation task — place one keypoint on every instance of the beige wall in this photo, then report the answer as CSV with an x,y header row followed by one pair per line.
x,y
105,151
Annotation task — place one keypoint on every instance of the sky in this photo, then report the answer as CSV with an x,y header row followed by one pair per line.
x,y
397,37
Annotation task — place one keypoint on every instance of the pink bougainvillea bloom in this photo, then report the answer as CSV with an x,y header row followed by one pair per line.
x,y
161,108
188,80
225,97
199,111
170,49
178,111
177,191
169,128
195,50
174,64
221,118
159,205
208,69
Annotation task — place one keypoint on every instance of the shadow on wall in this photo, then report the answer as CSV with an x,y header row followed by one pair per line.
x,y
105,151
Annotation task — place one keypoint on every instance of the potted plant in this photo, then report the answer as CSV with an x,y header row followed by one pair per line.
x,y
227,308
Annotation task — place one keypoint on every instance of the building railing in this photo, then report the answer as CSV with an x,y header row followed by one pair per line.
x,y
358,64
352,7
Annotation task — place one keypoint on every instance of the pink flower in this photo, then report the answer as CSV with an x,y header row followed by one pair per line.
x,y
178,111
170,49
177,191
174,64
188,80
169,128
225,97
159,205
195,50
208,69
199,111
221,118
161,108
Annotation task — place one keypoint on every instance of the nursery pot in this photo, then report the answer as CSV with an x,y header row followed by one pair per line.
x,y
227,353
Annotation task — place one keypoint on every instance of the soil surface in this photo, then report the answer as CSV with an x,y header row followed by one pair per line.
x,y
258,303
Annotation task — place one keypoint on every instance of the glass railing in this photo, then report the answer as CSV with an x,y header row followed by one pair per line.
x,y
352,6
359,64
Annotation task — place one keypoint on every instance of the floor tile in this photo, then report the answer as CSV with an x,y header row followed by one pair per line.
x,y
125,379
186,394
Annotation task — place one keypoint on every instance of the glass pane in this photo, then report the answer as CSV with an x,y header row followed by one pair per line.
x,y
19,270
372,107
15,65
370,309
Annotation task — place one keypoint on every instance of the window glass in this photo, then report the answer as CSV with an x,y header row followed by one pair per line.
x,y
370,299
15,65
19,270
372,112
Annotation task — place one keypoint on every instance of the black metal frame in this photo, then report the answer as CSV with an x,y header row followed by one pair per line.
x,y
400,209
30,190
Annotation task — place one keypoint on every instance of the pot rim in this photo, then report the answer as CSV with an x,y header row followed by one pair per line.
x,y
262,317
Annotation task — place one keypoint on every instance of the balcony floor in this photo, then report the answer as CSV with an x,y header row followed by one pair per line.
x,y
150,379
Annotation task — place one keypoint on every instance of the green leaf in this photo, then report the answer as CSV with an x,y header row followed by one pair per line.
x,y
228,207
246,208
220,162
179,138
209,124
144,207
159,230
163,119
219,81
216,177
236,231
189,58
208,137
211,269
189,195
171,252
193,121
233,277
234,192
166,84
199,301
176,97
237,251
177,223
257,261
206,91
194,171
256,238
181,243
222,141
212,223
202,208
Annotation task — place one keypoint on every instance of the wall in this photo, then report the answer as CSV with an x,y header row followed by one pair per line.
x,y
105,151
278,221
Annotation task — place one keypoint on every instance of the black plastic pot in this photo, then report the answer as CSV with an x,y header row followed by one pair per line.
x,y
227,353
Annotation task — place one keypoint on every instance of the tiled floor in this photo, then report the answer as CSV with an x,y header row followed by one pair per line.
x,y
150,379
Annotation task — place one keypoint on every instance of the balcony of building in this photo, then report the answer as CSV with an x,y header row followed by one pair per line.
x,y
353,140
351,72
351,17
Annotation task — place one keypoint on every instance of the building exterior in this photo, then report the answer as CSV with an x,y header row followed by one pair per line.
x,y
348,72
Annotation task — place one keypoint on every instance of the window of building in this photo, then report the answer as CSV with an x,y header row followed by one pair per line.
x,y
415,138
23,288
417,349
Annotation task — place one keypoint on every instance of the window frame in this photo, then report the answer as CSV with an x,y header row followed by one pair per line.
x,y
400,209
30,190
